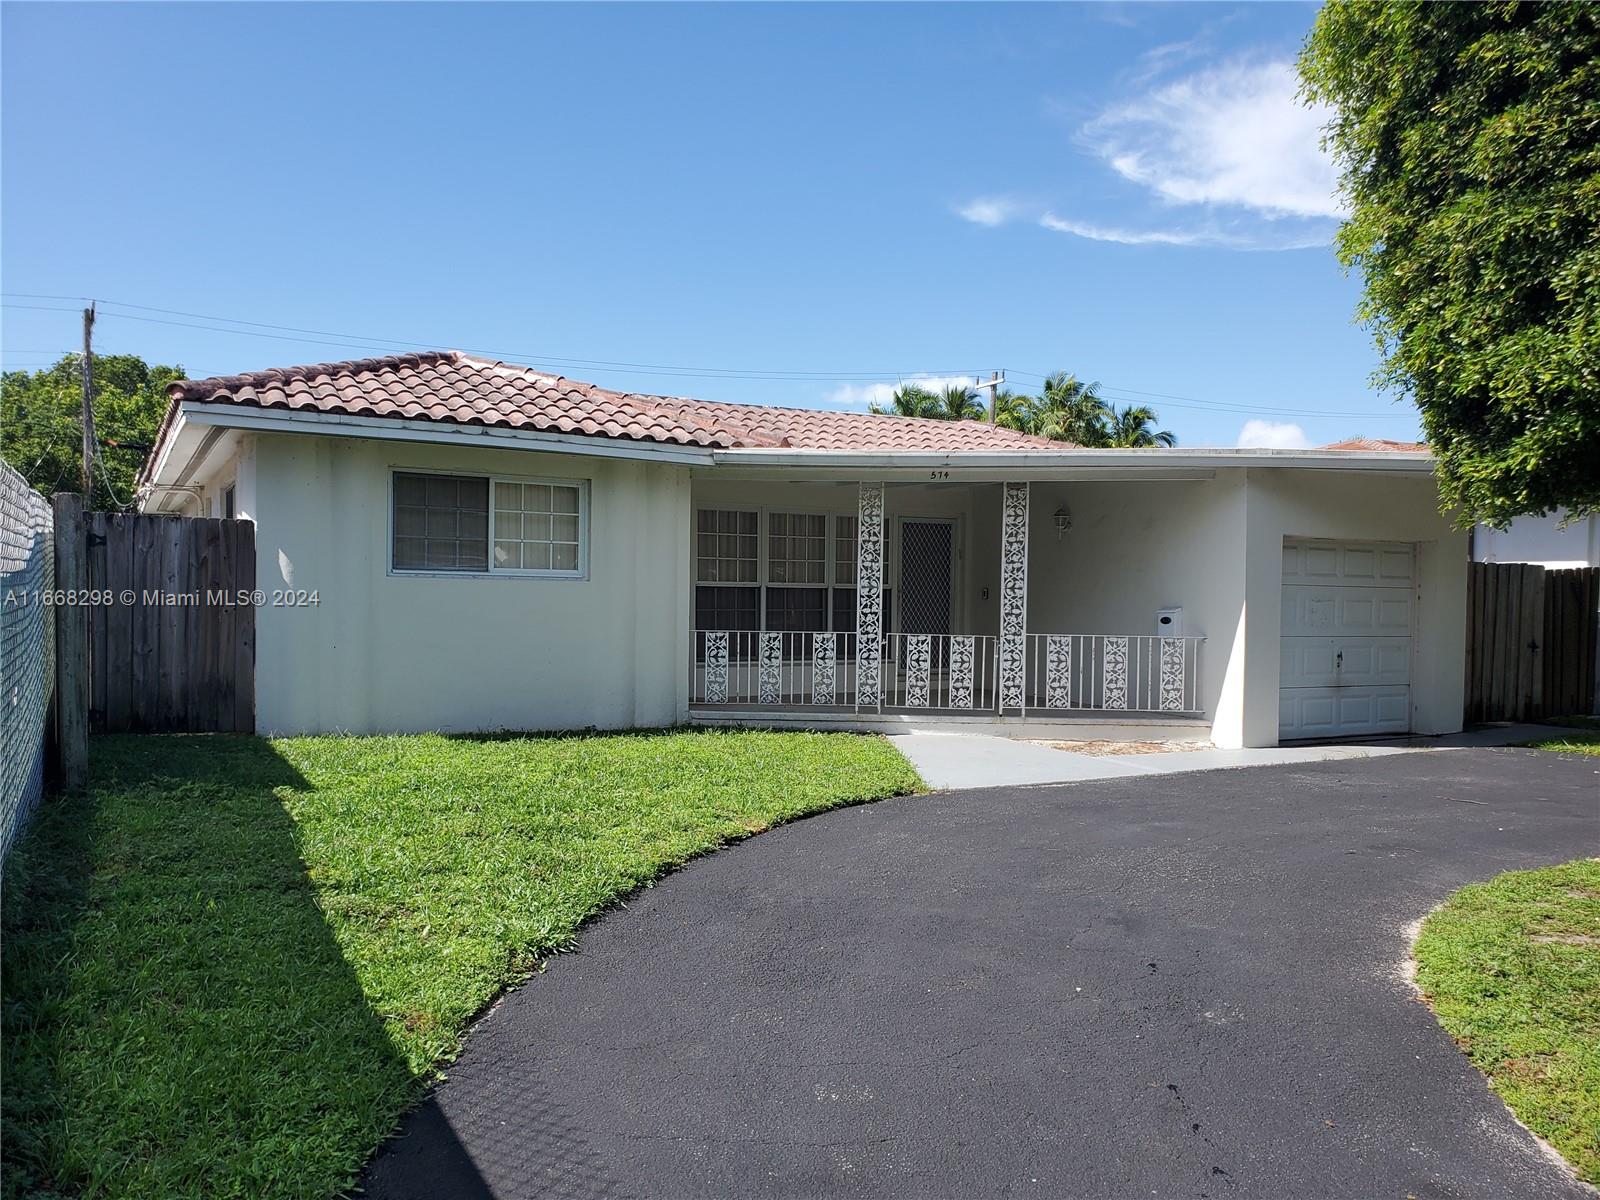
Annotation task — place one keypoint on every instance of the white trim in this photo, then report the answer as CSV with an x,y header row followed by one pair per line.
x,y
1174,463
276,420
1036,463
494,572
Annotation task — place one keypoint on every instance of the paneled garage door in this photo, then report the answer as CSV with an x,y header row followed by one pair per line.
x,y
1346,661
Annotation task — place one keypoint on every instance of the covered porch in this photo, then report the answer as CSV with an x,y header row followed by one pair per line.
x,y
833,600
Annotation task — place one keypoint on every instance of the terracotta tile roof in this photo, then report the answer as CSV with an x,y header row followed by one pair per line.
x,y
1369,444
451,386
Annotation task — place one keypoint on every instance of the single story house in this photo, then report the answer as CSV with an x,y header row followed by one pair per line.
x,y
491,547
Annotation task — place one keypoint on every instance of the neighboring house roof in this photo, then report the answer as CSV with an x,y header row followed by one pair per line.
x,y
1376,444
450,386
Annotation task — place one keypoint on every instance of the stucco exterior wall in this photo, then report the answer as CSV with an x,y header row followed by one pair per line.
x,y
1347,505
1137,547
397,652
385,652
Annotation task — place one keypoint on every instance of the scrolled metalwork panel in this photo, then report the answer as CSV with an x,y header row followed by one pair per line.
x,y
963,654
869,595
919,661
770,670
1058,671
1014,560
1013,657
1172,674
1114,660
1013,594
824,648
716,671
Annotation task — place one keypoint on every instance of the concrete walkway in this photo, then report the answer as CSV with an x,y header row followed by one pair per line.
x,y
952,761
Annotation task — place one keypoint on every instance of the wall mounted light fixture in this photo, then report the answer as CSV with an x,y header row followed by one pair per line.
x,y
1063,521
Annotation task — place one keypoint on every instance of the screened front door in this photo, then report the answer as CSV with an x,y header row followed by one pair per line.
x,y
927,569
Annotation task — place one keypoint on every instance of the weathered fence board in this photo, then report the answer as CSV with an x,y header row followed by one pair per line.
x,y
179,656
1531,641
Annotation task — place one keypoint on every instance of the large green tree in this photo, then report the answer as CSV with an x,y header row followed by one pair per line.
x,y
909,400
1468,141
1069,410
1135,426
41,433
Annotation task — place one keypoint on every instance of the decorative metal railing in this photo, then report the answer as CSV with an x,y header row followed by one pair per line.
x,y
1041,673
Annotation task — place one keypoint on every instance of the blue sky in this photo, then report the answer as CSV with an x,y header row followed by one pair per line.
x,y
775,204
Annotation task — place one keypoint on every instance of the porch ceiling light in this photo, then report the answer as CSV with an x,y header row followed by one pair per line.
x,y
1063,520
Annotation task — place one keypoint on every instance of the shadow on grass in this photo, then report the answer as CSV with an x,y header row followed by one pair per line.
x,y
178,1019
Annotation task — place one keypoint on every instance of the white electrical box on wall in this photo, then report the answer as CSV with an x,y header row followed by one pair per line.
x,y
1169,622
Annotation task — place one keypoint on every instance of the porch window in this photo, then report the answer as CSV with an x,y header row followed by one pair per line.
x,y
727,594
783,572
479,524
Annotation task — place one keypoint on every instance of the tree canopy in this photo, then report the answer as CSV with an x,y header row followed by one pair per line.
x,y
41,433
1468,142
1066,410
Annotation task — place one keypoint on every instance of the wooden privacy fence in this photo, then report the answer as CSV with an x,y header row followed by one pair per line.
x,y
172,647
1531,638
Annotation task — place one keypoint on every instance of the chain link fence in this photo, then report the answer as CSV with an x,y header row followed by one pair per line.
x,y
27,648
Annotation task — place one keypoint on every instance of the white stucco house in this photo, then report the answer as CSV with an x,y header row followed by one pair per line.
x,y
495,548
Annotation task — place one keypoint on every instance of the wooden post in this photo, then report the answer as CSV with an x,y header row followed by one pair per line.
x,y
72,646
88,406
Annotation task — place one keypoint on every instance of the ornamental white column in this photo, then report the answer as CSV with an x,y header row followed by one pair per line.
x,y
869,595
1013,596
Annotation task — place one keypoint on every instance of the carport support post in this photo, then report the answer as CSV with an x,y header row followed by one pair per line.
x,y
869,597
1013,597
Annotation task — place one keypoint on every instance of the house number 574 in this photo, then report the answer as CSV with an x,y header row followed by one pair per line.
x,y
938,474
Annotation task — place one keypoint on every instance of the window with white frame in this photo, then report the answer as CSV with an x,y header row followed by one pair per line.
x,y
778,571
536,526
478,524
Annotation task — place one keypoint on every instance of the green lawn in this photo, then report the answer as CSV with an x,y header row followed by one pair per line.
x,y
231,966
1581,735
1512,968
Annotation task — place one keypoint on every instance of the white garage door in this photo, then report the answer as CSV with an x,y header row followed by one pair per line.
x,y
1346,659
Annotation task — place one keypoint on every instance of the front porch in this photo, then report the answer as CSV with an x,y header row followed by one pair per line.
x,y
912,604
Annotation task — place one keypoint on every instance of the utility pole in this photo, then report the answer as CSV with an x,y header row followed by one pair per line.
x,y
996,378
88,406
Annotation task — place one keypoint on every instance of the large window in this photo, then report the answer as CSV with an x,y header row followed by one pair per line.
x,y
475,524
727,570
778,571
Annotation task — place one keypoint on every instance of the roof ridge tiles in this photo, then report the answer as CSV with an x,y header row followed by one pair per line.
x,y
454,386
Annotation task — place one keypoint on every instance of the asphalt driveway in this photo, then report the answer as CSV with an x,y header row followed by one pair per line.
x,y
1170,986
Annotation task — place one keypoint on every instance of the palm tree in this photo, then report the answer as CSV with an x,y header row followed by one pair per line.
x,y
909,400
1070,410
1014,410
1134,426
958,402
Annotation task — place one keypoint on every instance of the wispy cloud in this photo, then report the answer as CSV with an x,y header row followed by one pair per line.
x,y
1227,156
989,210
1273,435
1234,135
1270,239
856,397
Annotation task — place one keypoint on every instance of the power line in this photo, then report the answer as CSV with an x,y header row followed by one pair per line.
x,y
363,342
318,337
